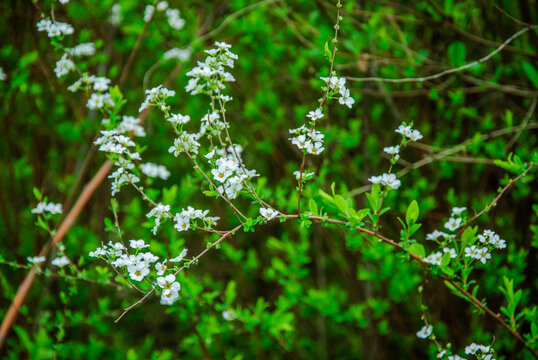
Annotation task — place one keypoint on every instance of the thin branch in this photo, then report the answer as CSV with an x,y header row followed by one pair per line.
x,y
449,71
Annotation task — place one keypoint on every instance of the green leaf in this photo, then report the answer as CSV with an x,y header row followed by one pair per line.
x,y
445,260
531,72
457,53
313,207
328,53
418,249
411,215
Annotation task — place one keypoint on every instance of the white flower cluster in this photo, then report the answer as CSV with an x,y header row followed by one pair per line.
x,y
115,17
138,266
84,49
228,172
88,82
425,332
3,75
443,354
489,241
181,55
54,28
174,20
44,207
131,124
156,96
179,119
187,218
338,86
61,261
64,66
409,133
158,212
36,259
388,180
477,349
154,170
309,140
453,223
117,145
185,143
211,73
436,257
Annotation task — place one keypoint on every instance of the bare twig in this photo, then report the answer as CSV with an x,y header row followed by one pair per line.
x,y
449,71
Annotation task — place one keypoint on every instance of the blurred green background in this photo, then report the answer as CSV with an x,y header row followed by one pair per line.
x,y
294,292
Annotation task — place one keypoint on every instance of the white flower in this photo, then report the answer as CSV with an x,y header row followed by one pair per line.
x,y
158,212
306,175
54,29
138,244
138,271
168,283
434,258
148,12
268,213
221,174
180,256
154,170
315,115
389,180
471,251
85,49
300,141
100,83
453,224
483,255
472,349
229,315
115,16
168,297
60,261
451,251
183,222
179,119
98,252
315,148
435,235
51,208
345,99
392,150
162,5
161,267
36,259
174,20
64,66
425,332
178,54
415,135
458,210
2,75
99,101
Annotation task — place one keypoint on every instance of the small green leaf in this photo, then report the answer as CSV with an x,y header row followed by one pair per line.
x,y
411,215
445,260
418,249
531,72
457,53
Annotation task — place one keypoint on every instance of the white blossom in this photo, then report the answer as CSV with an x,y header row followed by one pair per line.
x,y
36,259
60,261
154,170
268,213
425,332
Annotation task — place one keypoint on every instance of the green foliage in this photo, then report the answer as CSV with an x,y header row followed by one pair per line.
x,y
301,288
